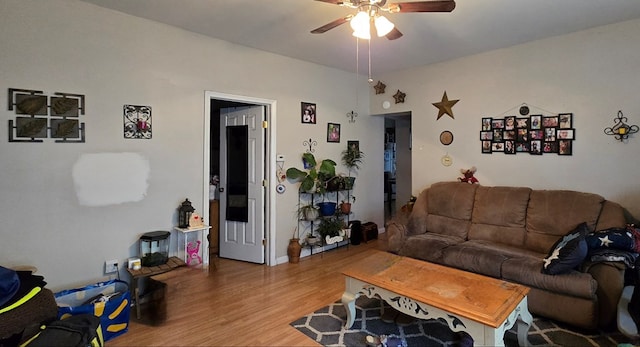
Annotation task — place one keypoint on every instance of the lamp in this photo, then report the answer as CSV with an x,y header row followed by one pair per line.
x,y
361,24
621,130
383,25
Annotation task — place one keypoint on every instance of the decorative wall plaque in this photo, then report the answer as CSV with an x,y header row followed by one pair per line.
x,y
48,116
137,122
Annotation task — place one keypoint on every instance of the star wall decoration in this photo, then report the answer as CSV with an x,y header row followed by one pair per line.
x,y
444,106
379,87
399,96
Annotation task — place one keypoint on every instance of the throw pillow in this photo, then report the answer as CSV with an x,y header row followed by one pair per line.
x,y
567,253
616,238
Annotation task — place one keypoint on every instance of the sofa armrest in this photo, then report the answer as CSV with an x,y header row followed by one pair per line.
x,y
397,234
610,279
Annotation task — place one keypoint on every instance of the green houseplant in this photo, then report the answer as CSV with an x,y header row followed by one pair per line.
x,y
314,179
352,158
329,227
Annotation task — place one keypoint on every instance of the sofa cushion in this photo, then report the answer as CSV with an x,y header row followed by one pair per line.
x,y
474,258
448,226
567,253
428,246
552,213
611,216
451,199
526,271
499,214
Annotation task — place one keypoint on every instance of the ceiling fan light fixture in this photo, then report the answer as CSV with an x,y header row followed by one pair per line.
x,y
383,25
362,34
360,22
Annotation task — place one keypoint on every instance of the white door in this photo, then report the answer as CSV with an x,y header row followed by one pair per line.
x,y
242,225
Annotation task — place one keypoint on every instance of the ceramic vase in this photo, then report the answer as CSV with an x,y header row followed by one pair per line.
x,y
293,250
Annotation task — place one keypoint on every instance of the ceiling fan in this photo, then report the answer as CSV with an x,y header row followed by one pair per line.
x,y
369,12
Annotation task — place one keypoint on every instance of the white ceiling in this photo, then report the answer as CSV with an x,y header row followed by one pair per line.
x,y
283,27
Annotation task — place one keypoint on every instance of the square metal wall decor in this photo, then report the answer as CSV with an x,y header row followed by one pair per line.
x,y
40,117
137,122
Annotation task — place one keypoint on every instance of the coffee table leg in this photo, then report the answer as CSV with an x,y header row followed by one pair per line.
x,y
523,323
349,302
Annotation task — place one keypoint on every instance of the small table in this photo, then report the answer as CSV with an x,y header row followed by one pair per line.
x,y
146,271
484,307
183,242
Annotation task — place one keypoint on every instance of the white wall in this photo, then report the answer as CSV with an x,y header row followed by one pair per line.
x,y
115,59
592,74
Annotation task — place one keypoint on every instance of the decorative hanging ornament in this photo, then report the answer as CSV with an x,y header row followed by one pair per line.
x,y
379,87
444,106
399,96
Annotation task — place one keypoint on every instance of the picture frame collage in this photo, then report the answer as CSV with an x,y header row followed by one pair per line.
x,y
535,134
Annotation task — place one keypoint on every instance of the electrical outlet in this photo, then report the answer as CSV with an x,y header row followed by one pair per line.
x,y
111,266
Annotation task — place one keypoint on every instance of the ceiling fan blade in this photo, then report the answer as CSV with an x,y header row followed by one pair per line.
x,y
394,34
335,2
332,25
424,6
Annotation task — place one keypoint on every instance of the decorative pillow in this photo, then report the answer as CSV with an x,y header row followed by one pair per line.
x,y
567,253
616,238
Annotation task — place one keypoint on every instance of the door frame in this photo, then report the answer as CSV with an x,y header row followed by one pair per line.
x,y
269,203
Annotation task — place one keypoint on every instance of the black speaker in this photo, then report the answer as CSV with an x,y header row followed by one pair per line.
x,y
356,232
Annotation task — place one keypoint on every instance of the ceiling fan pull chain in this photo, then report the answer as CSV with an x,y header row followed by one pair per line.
x,y
370,79
357,67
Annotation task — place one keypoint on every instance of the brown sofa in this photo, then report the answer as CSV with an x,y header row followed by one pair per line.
x,y
506,232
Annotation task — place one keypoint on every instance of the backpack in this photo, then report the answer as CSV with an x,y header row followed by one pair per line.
x,y
81,330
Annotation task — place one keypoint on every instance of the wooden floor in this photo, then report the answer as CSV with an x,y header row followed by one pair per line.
x,y
242,304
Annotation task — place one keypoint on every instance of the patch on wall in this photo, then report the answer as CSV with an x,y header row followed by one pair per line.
x,y
102,179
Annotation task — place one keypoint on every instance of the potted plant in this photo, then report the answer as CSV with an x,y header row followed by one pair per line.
x,y
312,239
330,228
345,205
314,179
308,212
352,158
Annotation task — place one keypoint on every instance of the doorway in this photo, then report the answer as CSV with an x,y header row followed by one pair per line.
x,y
397,163
234,234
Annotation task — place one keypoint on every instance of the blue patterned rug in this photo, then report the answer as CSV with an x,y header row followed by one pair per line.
x,y
325,326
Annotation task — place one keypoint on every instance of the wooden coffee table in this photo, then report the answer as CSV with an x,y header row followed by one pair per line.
x,y
482,306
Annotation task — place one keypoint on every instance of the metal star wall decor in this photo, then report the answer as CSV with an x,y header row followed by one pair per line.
x,y
399,96
379,87
444,106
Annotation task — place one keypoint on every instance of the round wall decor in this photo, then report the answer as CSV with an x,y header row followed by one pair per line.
x,y
446,137
446,160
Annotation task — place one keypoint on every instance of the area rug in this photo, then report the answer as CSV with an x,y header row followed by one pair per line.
x,y
325,326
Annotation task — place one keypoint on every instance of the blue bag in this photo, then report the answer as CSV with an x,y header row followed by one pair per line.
x,y
110,301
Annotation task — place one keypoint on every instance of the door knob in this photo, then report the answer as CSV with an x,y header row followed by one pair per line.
x,y
221,190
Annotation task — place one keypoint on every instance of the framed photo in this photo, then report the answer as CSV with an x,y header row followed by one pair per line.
x,y
535,147
509,147
486,135
550,121
486,146
497,147
550,147
308,113
522,123
536,122
333,132
549,134
523,135
497,123
486,123
497,135
565,120
509,123
353,145
566,134
564,147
